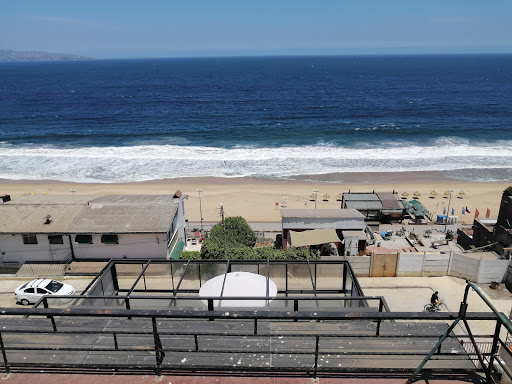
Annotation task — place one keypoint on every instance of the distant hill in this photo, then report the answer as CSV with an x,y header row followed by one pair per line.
x,y
9,55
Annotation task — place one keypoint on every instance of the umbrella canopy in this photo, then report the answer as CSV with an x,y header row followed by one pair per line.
x,y
326,197
447,193
433,194
312,197
461,194
417,194
404,195
339,197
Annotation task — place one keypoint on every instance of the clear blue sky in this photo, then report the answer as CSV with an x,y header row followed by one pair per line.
x,y
168,28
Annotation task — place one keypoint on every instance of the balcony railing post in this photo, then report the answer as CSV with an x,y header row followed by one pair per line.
x,y
379,320
4,355
494,350
116,346
317,342
159,352
45,304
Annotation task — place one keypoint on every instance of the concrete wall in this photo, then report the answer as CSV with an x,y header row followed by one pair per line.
x,y
464,267
360,265
492,270
436,264
131,246
409,264
12,249
454,264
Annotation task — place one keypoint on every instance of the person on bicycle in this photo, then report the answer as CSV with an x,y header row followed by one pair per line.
x,y
434,299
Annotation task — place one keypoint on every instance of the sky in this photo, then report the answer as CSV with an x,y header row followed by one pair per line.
x,y
190,28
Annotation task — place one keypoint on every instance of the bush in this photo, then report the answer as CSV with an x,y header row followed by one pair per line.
x,y
215,250
508,191
190,255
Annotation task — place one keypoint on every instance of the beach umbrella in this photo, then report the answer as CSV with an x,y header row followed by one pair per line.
x,y
461,194
312,197
447,193
404,195
416,194
326,197
433,194
339,197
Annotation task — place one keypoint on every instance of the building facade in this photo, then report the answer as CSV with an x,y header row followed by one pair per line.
x,y
62,228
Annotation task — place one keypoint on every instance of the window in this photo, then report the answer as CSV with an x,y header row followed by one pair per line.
x,y
42,291
83,239
29,290
54,286
55,239
109,239
29,239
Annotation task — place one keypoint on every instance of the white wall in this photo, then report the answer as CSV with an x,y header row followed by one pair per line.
x,y
12,249
131,246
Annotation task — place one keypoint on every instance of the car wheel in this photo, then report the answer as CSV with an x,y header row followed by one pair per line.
x,y
25,302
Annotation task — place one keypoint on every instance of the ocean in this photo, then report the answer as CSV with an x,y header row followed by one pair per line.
x,y
263,117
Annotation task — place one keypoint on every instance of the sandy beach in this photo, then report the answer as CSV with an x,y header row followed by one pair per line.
x,y
261,200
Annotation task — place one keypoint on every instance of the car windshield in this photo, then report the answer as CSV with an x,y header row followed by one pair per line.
x,y
54,286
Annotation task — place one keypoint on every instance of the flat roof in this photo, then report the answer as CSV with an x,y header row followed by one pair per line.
x,y
321,213
364,205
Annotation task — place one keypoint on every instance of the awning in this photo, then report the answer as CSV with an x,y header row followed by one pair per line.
x,y
313,237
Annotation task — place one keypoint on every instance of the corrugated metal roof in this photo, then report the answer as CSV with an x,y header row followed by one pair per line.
x,y
321,213
25,218
364,205
125,217
88,214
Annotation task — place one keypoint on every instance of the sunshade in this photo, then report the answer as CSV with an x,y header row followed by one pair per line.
x,y
313,237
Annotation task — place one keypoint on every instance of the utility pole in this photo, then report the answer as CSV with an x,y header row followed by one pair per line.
x,y
224,230
199,190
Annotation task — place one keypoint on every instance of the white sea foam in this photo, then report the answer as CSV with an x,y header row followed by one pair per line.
x,y
137,163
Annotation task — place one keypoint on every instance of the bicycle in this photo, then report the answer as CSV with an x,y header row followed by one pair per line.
x,y
435,308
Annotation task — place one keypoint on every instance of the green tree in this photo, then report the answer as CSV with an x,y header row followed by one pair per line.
x,y
237,232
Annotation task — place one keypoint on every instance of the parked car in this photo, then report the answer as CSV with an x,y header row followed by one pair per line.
x,y
32,291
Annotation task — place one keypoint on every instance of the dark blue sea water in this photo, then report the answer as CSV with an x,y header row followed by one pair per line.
x,y
271,117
